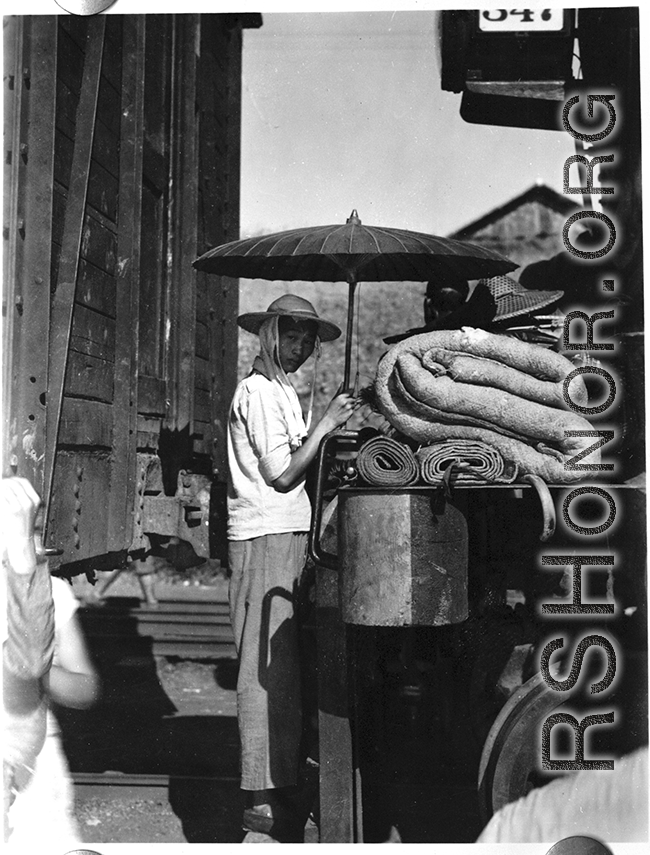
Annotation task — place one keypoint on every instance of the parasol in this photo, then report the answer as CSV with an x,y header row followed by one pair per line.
x,y
351,253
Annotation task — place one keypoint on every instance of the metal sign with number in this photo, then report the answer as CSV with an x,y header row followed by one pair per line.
x,y
521,20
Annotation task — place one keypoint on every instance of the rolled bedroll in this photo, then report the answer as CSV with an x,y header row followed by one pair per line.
x,y
385,462
472,462
469,384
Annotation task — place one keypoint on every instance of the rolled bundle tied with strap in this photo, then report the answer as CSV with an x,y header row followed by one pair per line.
x,y
386,462
472,385
471,462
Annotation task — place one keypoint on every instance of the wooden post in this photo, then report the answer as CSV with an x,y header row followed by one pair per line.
x,y
337,772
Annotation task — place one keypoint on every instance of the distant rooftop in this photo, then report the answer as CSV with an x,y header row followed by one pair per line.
x,y
538,193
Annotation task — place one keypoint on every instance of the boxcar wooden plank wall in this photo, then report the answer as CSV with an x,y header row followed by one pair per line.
x,y
67,373
219,141
127,316
182,241
29,103
113,191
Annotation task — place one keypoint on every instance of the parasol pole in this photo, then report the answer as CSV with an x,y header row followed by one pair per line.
x,y
352,220
348,333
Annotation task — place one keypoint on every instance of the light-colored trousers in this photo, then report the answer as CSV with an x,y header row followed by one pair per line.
x,y
265,575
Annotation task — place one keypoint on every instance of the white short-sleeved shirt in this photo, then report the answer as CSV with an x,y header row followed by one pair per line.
x,y
259,451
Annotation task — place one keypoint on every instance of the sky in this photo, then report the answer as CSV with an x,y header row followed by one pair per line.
x,y
344,110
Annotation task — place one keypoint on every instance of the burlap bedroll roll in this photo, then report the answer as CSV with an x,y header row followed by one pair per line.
x,y
473,385
472,463
386,462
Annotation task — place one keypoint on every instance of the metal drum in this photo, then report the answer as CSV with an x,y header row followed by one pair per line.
x,y
402,557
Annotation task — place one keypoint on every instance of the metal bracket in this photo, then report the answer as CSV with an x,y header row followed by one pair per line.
x,y
185,515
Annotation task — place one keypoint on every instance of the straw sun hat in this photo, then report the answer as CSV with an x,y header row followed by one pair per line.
x,y
289,306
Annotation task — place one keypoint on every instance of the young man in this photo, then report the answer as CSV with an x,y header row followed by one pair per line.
x,y
27,637
269,514
44,657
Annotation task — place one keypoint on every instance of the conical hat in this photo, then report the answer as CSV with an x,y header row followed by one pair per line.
x,y
513,299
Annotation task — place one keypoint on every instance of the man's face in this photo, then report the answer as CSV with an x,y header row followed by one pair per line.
x,y
442,302
297,340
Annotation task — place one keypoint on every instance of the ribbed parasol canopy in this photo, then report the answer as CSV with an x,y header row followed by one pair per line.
x,y
352,252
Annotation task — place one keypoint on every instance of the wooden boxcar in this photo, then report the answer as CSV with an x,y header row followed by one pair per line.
x,y
122,161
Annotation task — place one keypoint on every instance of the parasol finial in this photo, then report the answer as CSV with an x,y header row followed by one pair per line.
x,y
354,218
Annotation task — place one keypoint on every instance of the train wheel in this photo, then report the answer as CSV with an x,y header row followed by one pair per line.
x,y
497,672
509,766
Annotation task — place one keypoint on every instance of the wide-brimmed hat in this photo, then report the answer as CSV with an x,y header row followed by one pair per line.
x,y
512,299
290,306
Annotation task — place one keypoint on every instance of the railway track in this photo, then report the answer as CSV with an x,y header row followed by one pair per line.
x,y
121,785
112,788
182,628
